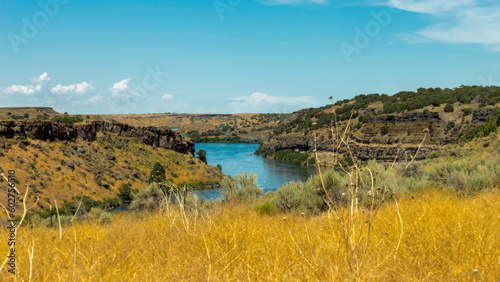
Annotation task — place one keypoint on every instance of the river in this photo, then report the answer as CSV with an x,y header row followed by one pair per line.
x,y
237,158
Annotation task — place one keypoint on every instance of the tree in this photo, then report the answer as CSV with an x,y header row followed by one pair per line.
x,y
202,155
125,193
219,167
41,117
26,115
157,174
449,108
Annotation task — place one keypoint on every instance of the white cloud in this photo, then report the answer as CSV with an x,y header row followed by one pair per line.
x,y
79,89
42,78
28,90
96,99
430,6
167,97
262,103
92,101
459,21
123,90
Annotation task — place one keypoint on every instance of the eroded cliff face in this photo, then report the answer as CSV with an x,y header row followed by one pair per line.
x,y
407,128
44,130
383,137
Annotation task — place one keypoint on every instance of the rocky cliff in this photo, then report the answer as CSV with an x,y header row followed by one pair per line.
x,y
383,137
44,130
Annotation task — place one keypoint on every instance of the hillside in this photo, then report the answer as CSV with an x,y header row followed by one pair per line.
x,y
201,128
208,128
31,112
382,126
61,161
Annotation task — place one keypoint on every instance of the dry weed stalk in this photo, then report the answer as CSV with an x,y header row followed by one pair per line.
x,y
178,195
25,211
356,225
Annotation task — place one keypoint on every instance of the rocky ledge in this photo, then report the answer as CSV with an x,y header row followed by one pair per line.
x,y
44,130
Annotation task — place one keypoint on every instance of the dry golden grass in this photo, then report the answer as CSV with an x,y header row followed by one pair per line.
x,y
37,167
32,111
445,238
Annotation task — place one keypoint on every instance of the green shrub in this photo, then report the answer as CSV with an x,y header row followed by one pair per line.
x,y
53,221
202,155
148,199
67,119
479,131
467,111
157,174
266,208
432,155
125,193
100,216
241,187
298,197
41,117
448,108
384,129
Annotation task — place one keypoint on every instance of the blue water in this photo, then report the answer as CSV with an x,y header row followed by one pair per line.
x,y
237,158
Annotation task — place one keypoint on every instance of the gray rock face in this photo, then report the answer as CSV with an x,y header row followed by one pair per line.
x,y
44,130
481,114
407,130
23,144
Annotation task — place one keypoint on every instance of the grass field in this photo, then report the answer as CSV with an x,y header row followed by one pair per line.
x,y
439,237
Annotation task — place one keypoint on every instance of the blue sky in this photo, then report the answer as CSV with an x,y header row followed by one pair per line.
x,y
234,56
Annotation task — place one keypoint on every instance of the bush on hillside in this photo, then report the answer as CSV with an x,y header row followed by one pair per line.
x,y
67,119
202,155
125,193
448,108
100,216
148,199
241,187
157,174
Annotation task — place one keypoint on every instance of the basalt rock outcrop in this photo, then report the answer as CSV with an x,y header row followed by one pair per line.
x,y
406,128
401,141
44,130
480,116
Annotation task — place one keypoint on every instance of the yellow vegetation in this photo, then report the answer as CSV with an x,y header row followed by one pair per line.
x,y
37,166
444,238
